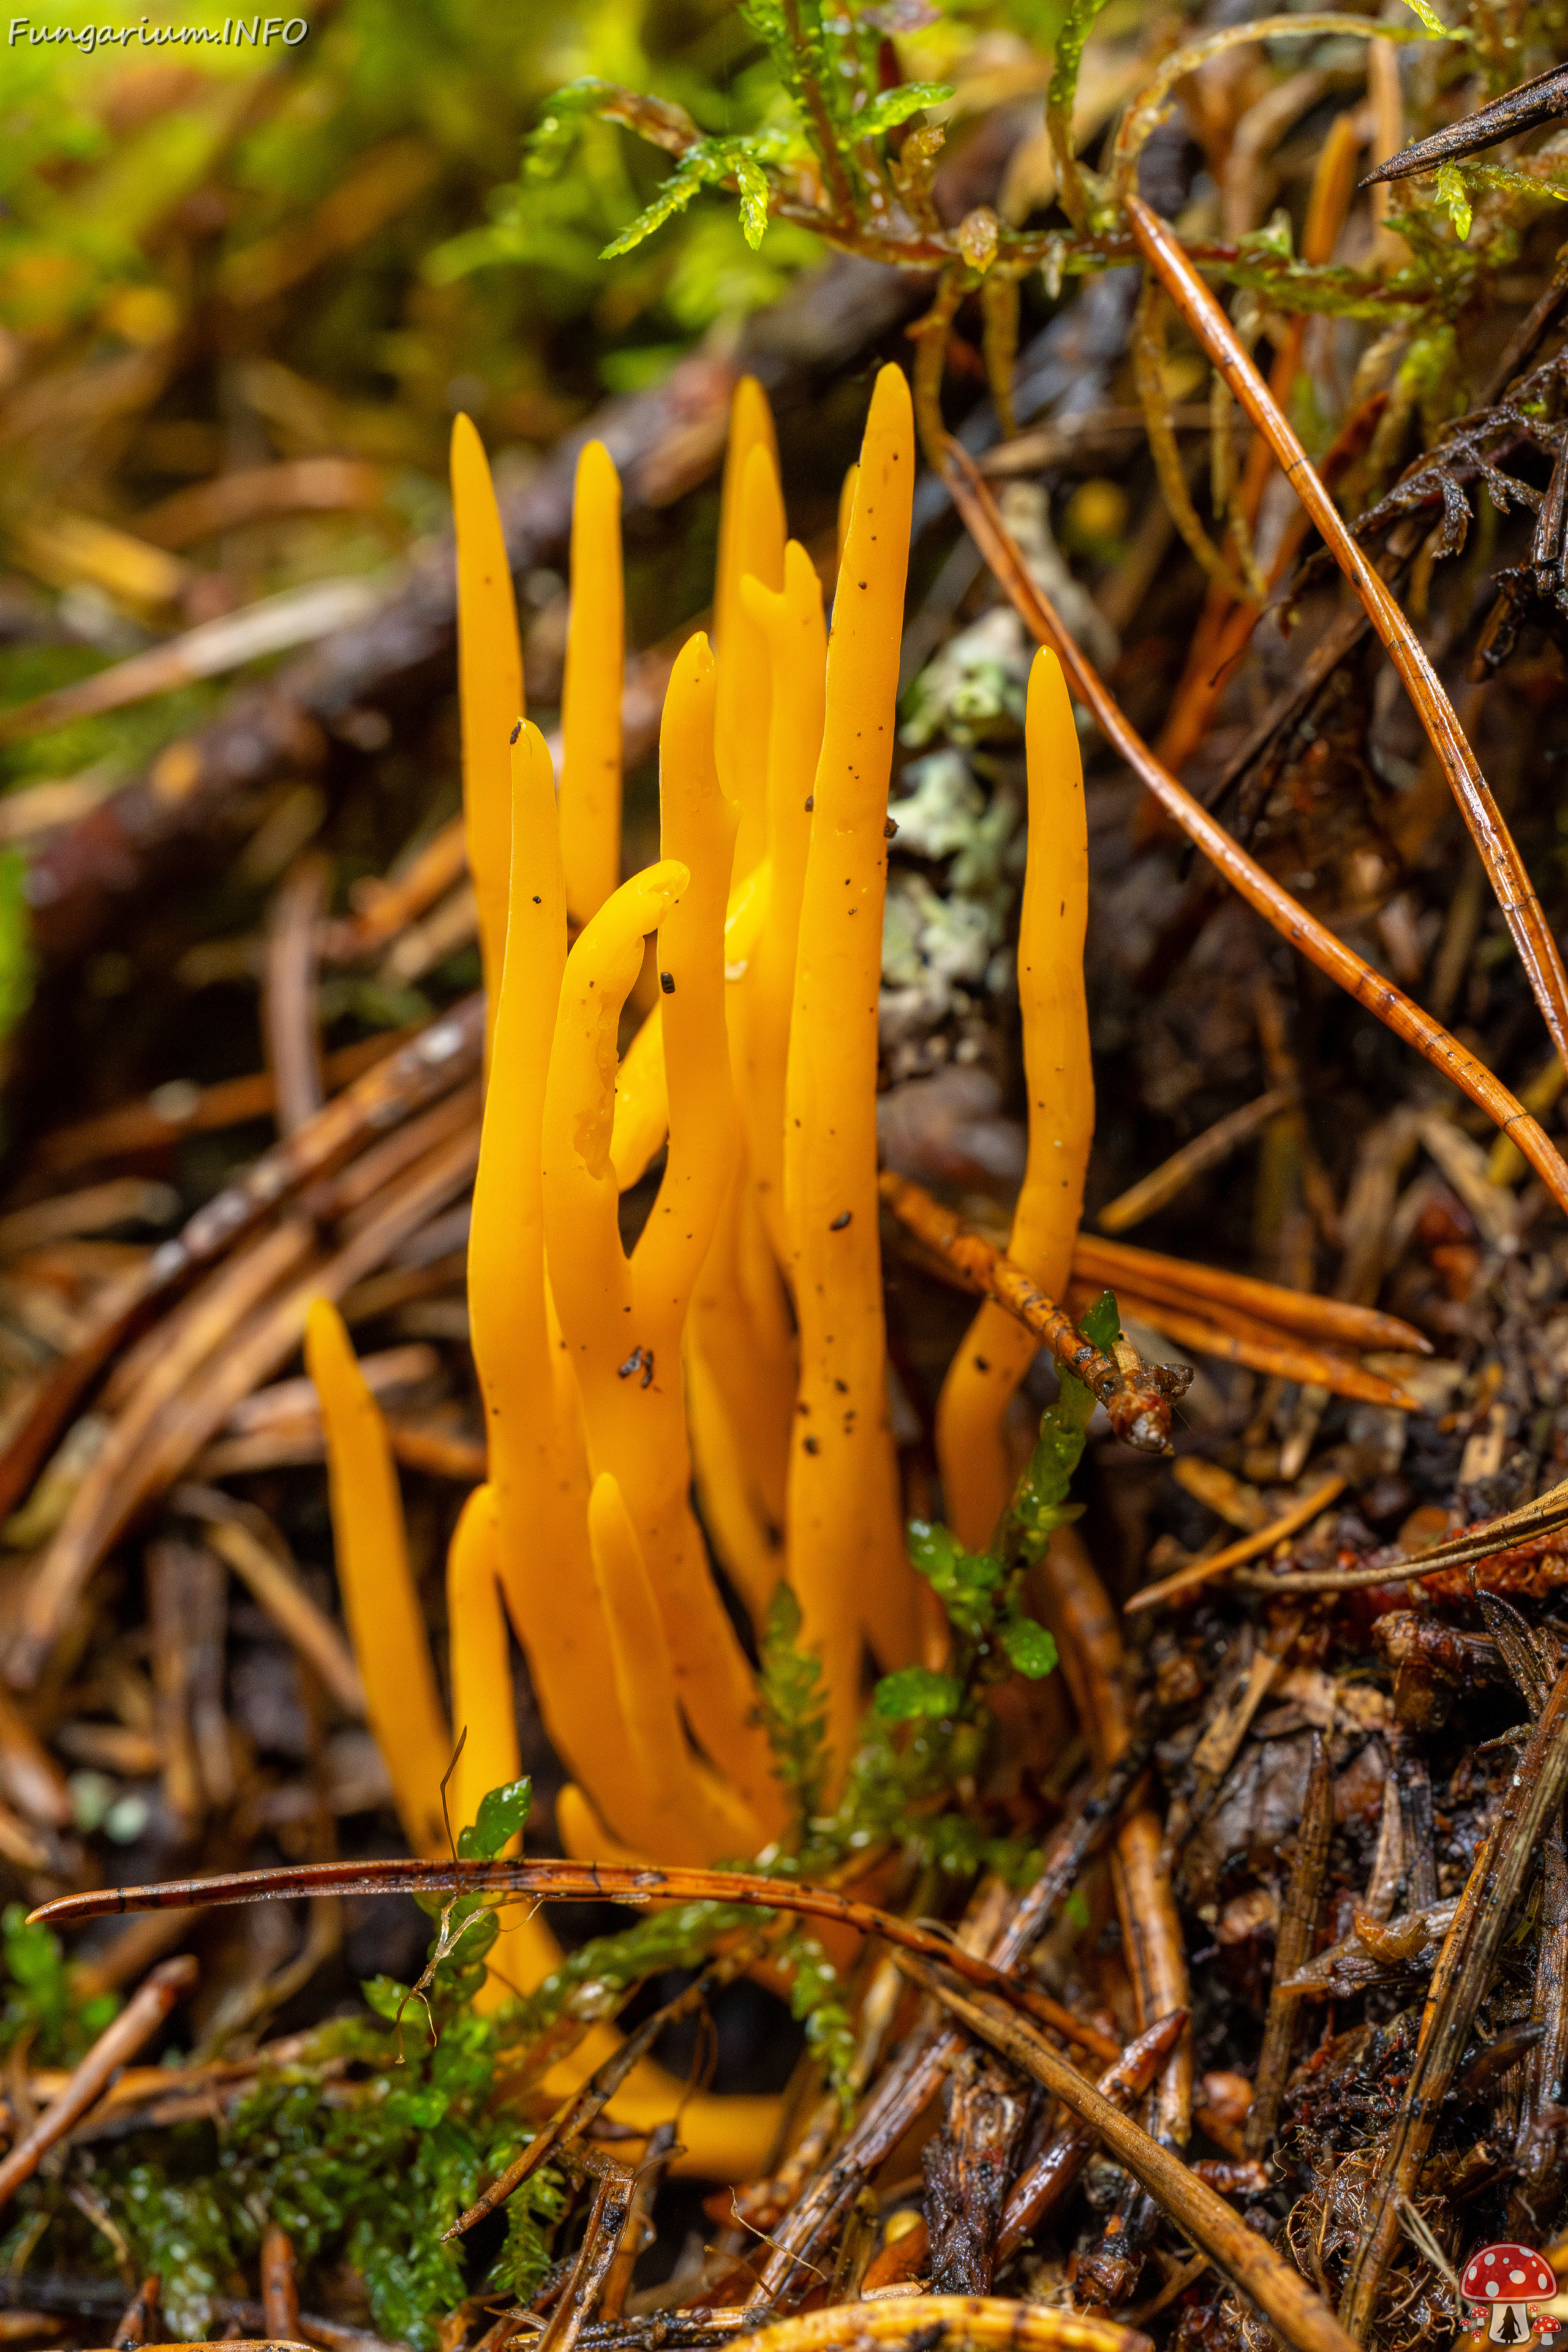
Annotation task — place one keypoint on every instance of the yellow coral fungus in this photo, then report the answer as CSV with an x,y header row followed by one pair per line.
x,y
379,1599
792,622
622,1319
591,695
742,1335
490,684
846,1559
996,1349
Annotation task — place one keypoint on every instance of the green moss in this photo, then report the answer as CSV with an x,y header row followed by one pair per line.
x,y
123,740
43,2005
370,2171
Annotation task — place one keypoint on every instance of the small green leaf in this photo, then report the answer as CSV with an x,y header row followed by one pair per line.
x,y
1077,1909
896,106
1276,238
549,144
1030,1649
1436,27
916,1691
934,1549
1452,193
753,186
673,198
385,1996
1102,1321
502,1815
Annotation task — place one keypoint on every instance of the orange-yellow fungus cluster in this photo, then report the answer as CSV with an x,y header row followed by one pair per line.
x,y
738,1351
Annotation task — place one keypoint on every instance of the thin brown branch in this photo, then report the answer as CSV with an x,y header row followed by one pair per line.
x,y
1239,1338
1522,912
1042,2185
1286,915
1293,1946
573,2117
638,2233
289,1015
930,340
1089,1640
1536,1522
1542,99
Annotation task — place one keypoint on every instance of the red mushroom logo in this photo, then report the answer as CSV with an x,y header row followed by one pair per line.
x,y
1505,2282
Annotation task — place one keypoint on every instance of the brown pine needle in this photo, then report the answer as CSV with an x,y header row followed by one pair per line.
x,y
1206,1150
1536,1522
1248,1546
578,1881
1288,916
1323,1322
1522,912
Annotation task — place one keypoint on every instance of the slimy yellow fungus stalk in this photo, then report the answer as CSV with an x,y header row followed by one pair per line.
x,y
846,508
693,1814
537,1466
996,1349
642,1104
722,2139
740,736
478,1661
489,690
750,428
740,1353
379,1599
846,1559
792,622
590,692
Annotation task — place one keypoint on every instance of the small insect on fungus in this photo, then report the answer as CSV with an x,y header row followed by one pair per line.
x,y
1504,2283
